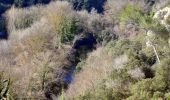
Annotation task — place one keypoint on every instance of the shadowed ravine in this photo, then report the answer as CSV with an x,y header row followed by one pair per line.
x,y
64,75
85,43
3,30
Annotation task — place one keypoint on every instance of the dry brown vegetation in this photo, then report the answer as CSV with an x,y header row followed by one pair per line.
x,y
35,50
97,67
31,55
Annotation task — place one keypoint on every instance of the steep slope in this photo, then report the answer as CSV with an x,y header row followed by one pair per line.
x,y
119,50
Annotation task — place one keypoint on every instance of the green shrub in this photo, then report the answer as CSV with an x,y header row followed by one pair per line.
x,y
123,46
147,22
162,79
153,88
152,85
67,31
134,14
105,36
79,66
141,90
131,13
100,93
167,96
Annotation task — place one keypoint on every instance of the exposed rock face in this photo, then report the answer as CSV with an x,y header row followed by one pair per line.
x,y
163,16
64,75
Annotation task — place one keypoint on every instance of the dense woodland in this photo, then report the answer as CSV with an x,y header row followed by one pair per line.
x,y
84,49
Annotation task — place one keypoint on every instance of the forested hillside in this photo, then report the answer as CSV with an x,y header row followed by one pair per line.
x,y
85,50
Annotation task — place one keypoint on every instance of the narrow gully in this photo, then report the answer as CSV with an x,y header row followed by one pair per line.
x,y
65,75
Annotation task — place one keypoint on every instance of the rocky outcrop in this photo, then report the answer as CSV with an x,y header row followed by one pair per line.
x,y
163,17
